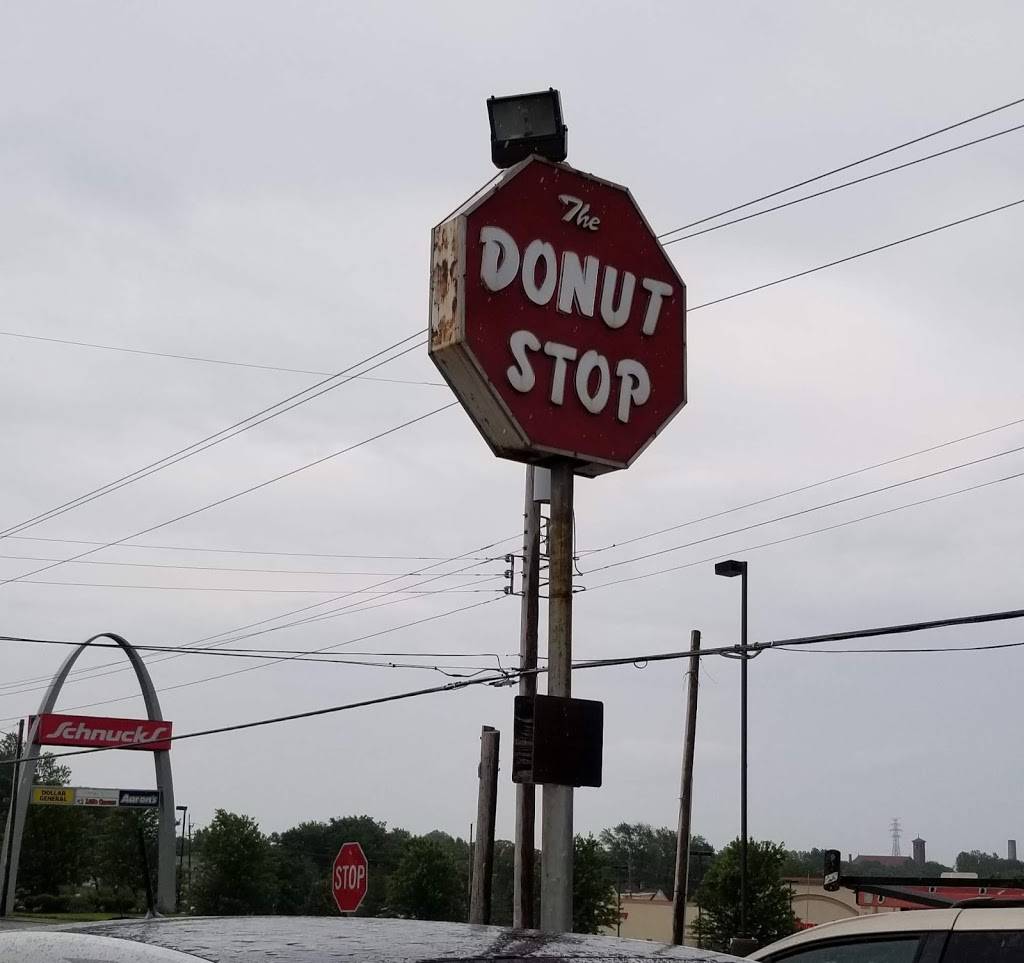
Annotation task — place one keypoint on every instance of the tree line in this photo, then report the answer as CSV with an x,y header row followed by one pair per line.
x,y
87,860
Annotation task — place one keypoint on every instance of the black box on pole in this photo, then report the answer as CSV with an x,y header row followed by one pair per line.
x,y
557,741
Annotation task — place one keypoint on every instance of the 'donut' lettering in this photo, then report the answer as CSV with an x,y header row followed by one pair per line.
x,y
575,281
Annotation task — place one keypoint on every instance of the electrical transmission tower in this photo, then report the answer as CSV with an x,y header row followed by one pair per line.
x,y
896,831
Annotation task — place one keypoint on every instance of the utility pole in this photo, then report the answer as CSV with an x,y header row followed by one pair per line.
x,y
526,793
556,819
181,853
15,779
486,809
686,798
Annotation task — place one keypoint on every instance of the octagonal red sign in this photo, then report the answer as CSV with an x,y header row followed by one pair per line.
x,y
349,877
558,319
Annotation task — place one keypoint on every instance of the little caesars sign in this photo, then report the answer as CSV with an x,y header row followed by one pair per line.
x,y
558,319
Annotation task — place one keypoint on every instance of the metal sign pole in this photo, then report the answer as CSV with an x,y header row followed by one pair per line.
x,y
526,795
556,820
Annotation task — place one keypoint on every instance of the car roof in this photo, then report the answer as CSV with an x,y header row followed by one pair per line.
x,y
296,939
911,921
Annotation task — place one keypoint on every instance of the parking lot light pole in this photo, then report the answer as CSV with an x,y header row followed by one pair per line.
x,y
730,569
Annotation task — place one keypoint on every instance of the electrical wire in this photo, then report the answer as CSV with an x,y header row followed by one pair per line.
x,y
79,675
277,655
225,675
859,254
983,647
257,591
217,438
806,511
509,676
846,167
237,551
224,568
803,488
238,494
816,531
220,361
845,184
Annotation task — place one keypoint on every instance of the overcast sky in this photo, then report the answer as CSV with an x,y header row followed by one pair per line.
x,y
256,182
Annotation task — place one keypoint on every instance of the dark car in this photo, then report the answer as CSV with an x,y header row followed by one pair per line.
x,y
297,939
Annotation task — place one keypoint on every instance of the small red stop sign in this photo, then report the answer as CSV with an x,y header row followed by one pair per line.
x,y
349,877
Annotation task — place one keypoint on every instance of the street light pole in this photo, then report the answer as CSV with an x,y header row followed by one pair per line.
x,y
743,752
730,569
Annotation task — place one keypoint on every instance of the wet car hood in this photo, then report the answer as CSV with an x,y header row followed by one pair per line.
x,y
325,939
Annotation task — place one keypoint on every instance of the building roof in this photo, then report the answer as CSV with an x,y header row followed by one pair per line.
x,y
885,860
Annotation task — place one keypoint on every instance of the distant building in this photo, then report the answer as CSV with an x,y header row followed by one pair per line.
x,y
899,862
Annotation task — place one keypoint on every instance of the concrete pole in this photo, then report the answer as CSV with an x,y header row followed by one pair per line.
x,y
526,794
686,798
556,819
486,810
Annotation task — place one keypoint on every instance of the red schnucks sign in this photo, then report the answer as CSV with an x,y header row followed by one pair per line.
x,y
558,319
349,877
103,732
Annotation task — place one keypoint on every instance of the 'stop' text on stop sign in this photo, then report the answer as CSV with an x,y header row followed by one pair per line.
x,y
573,284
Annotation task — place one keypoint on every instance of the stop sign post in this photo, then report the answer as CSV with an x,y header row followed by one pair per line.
x,y
560,324
349,877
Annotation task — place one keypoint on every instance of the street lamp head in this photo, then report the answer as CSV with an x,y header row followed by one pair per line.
x,y
730,568
525,124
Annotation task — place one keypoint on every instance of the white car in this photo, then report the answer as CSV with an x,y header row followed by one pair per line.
x,y
972,934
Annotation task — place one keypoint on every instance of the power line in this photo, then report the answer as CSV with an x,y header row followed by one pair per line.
x,y
237,551
803,488
239,494
218,437
92,673
807,511
845,184
226,568
860,254
258,653
508,677
225,675
846,167
257,591
983,647
295,655
816,531
220,361
357,607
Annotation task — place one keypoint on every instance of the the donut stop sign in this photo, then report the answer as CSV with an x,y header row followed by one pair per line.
x,y
558,319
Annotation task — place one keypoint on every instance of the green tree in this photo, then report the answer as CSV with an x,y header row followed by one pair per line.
x,y
769,913
114,859
54,847
644,857
594,905
236,872
426,884
304,855
989,864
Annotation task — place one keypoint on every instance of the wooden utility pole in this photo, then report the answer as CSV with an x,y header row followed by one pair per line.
x,y
486,810
686,798
556,818
526,793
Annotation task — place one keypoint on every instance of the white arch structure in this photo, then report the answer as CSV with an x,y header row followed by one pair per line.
x,y
165,889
